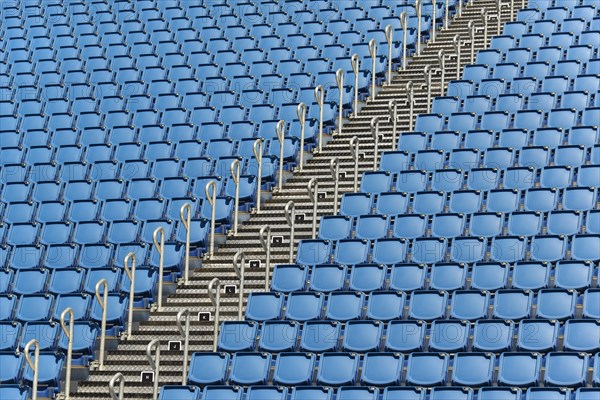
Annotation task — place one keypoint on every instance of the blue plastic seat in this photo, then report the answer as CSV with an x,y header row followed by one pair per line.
x,y
304,306
519,369
578,198
356,204
250,368
382,369
80,304
405,336
344,306
12,366
34,307
172,392
335,227
278,336
469,305
556,304
362,336
448,276
581,335
351,251
586,247
376,182
410,226
427,369
428,250
427,305
338,369
30,281
448,225
311,252
538,335
473,369
264,306
371,227
46,333
450,336
50,369
566,369
367,277
15,391
328,277
289,278
512,304
294,369
499,393
208,369
508,249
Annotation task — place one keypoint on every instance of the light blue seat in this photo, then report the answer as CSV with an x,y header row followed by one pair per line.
x,y
264,306
294,369
367,277
320,336
278,336
405,336
473,369
312,393
519,369
427,369
304,306
237,336
172,392
311,252
362,336
335,227
566,369
345,306
427,305
385,306
581,335
382,369
556,304
208,369
351,251
448,336
328,277
289,278
338,369
538,335
469,305
250,368
512,304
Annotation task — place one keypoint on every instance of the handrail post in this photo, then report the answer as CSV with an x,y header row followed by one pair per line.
x,y
103,302
393,108
355,61
258,152
472,28
212,200
456,42
428,71
375,132
499,16
236,170
265,241
280,131
290,217
184,330
373,52
120,378
485,17
301,110
389,35
340,80
334,166
434,23
442,61
34,365
320,98
215,299
68,331
185,213
404,23
512,9
447,16
154,363
131,275
239,266
354,148
419,8
160,245
411,104
460,7
313,189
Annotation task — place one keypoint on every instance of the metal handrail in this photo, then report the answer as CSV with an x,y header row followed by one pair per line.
x,y
485,16
354,149
393,108
313,189
447,16
334,167
184,330
442,62
280,131
290,217
154,363
355,61
33,365
239,266
499,17
103,302
373,52
160,247
460,7
68,332
375,132
131,275
419,7
212,200
320,99
428,72
410,99
389,36
301,110
185,213
265,241
404,23
472,30
215,299
340,78
257,148
456,42
236,171
434,23
120,378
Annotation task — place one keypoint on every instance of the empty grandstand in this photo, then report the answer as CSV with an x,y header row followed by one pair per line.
x,y
300,199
